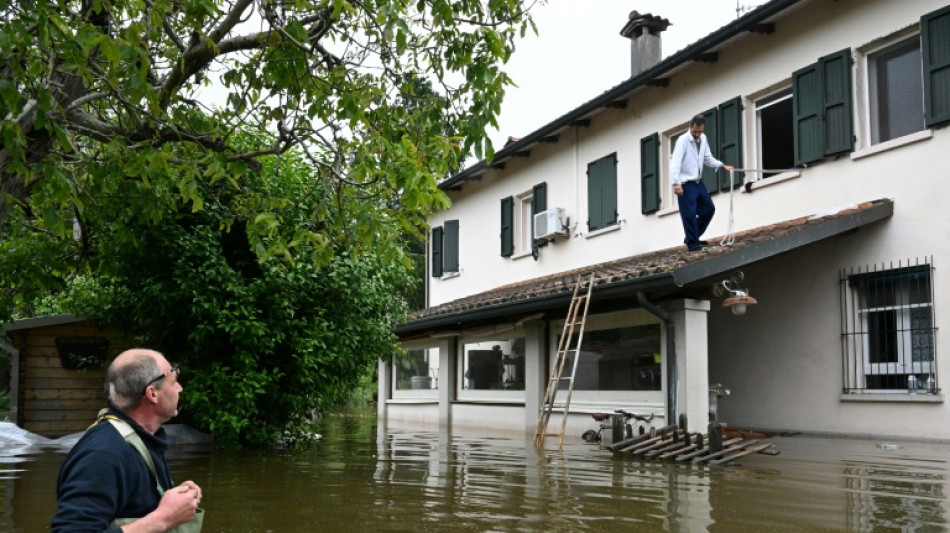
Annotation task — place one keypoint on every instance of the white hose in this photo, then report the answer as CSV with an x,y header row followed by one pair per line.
x,y
730,237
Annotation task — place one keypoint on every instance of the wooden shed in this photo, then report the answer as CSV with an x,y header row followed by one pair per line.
x,y
57,364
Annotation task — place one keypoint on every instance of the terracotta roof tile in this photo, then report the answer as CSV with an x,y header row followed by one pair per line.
x,y
637,266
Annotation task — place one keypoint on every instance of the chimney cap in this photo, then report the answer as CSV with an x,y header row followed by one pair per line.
x,y
637,22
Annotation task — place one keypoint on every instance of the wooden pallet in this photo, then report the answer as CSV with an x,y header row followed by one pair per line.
x,y
677,444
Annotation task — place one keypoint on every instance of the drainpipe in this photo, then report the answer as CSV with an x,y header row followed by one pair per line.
x,y
670,356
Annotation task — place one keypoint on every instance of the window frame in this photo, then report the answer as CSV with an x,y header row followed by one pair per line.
x,y
464,394
775,95
605,321
417,394
893,287
867,76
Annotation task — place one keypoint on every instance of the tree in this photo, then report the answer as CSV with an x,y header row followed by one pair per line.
x,y
264,344
259,241
94,95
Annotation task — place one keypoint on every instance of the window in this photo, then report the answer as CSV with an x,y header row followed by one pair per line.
x,y
889,329
620,360
602,193
895,90
774,132
416,375
821,108
492,369
517,220
445,248
723,133
524,222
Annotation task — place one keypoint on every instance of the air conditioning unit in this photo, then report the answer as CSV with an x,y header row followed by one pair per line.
x,y
550,223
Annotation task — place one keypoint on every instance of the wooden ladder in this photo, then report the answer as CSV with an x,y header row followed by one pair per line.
x,y
576,318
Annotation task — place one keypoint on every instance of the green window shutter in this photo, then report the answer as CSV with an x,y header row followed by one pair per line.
x,y
650,174
507,227
595,193
602,192
437,239
609,208
450,252
807,103
935,50
710,177
836,83
539,203
730,140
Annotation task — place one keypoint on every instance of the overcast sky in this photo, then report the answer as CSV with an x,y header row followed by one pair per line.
x,y
579,53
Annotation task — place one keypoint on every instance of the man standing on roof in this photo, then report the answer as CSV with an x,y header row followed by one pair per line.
x,y
690,155
116,475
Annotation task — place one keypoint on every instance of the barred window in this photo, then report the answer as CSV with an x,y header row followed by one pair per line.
x,y
888,329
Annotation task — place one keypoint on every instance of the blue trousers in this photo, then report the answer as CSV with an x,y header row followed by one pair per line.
x,y
696,210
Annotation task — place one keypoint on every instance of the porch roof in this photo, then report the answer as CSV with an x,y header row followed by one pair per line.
x,y
663,270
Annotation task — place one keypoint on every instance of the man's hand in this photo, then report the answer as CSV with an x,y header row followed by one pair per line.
x,y
178,506
678,189
730,168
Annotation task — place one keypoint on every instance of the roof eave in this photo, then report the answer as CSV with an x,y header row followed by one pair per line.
x,y
618,289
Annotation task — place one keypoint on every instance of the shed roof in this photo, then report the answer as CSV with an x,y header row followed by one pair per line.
x,y
40,321
671,268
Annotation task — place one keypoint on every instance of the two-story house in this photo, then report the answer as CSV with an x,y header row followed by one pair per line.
x,y
837,229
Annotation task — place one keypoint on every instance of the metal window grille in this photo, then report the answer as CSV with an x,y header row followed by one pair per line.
x,y
887,328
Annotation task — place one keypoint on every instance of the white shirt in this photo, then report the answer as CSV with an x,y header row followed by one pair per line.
x,y
686,163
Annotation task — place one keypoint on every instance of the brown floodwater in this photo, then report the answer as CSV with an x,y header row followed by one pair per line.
x,y
364,477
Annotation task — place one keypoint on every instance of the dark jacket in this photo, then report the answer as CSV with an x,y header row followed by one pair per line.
x,y
104,478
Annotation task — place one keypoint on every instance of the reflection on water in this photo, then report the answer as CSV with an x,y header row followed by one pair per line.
x,y
364,478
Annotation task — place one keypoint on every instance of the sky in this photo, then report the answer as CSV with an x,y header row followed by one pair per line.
x,y
579,41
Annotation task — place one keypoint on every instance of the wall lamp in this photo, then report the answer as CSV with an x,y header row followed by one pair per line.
x,y
738,298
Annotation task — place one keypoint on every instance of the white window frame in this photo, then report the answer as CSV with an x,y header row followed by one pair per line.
x,y
523,223
904,363
414,394
668,203
620,319
490,395
870,133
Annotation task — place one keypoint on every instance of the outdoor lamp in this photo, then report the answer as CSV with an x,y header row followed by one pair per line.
x,y
738,299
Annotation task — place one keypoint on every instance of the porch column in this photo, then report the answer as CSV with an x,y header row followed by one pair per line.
x,y
535,369
690,320
384,388
448,362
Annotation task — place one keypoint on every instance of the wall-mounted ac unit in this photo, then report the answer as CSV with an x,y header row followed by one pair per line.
x,y
550,223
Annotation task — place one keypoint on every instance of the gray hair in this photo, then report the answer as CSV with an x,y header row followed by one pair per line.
x,y
125,384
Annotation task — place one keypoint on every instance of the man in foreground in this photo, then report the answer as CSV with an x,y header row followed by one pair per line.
x,y
105,483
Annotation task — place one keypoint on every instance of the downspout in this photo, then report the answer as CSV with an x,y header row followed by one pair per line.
x,y
577,204
671,406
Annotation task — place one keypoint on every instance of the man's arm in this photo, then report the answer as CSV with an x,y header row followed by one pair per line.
x,y
177,507
88,495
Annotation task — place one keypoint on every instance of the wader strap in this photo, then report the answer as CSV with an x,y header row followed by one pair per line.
x,y
135,441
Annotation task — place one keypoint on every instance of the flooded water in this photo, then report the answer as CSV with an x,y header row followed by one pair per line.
x,y
361,477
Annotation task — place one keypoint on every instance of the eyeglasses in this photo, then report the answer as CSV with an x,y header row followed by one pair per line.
x,y
175,368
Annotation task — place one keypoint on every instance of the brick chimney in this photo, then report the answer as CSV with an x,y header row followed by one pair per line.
x,y
643,30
